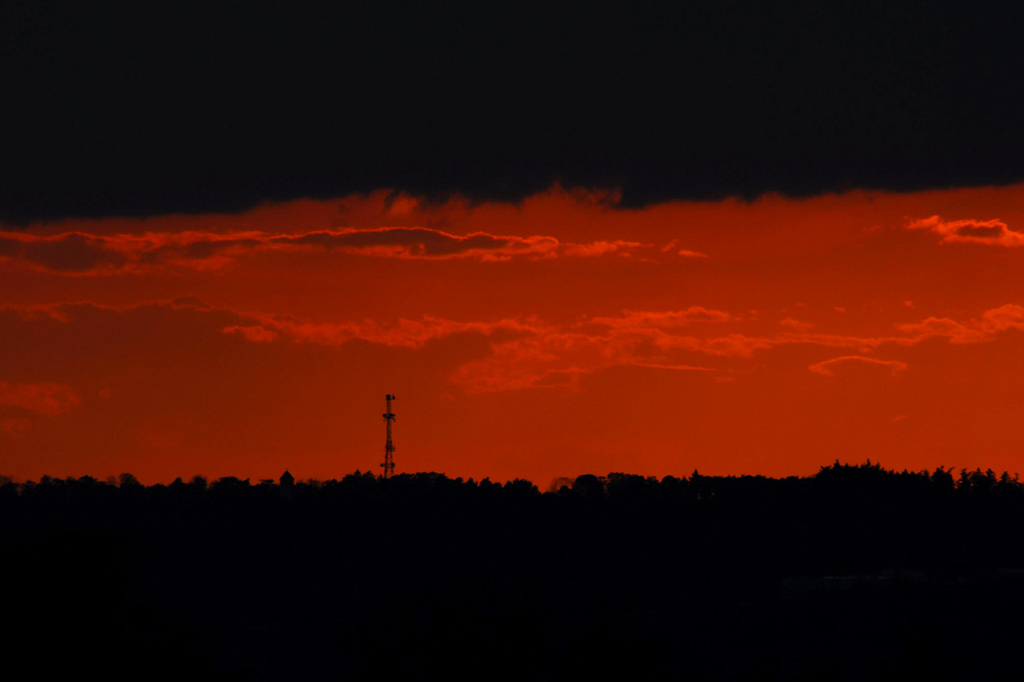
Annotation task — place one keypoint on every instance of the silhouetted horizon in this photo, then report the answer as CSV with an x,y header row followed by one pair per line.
x,y
128,479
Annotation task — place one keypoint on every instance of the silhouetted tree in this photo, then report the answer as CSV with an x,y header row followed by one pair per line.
x,y
588,486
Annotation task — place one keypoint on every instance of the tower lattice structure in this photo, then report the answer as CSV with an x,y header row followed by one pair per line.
x,y
389,447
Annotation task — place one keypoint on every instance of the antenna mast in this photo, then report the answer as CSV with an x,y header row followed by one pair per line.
x,y
389,448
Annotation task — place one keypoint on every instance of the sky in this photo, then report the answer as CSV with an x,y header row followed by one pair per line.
x,y
561,335
721,237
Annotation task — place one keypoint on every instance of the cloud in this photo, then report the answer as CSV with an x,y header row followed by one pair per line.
x,y
795,325
686,253
403,333
631,319
520,352
1002,318
827,367
42,399
421,242
988,232
190,301
632,339
255,333
71,253
429,243
75,253
165,163
558,358
601,248
53,311
527,352
993,321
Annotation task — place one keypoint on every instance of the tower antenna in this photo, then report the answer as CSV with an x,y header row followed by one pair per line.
x,y
389,448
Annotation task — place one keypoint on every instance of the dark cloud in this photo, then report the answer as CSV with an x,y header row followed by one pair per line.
x,y
151,108
191,301
417,241
81,254
68,253
72,253
195,247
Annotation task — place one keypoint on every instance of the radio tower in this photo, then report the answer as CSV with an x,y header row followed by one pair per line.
x,y
389,448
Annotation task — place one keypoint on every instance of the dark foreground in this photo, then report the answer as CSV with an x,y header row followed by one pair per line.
x,y
854,574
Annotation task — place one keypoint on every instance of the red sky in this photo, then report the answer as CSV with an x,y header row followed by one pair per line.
x,y
559,336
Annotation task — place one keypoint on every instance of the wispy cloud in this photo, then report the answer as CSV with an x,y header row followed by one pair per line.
x,y
992,322
76,253
988,232
254,333
72,253
40,399
521,352
686,253
796,325
531,353
667,319
591,249
403,333
828,367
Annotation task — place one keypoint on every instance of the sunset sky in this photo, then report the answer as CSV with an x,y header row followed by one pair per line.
x,y
801,271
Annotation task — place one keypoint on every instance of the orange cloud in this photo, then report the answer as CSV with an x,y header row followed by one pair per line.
x,y
601,248
992,322
403,333
631,319
535,361
989,232
527,352
42,399
795,325
827,367
255,333
635,338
